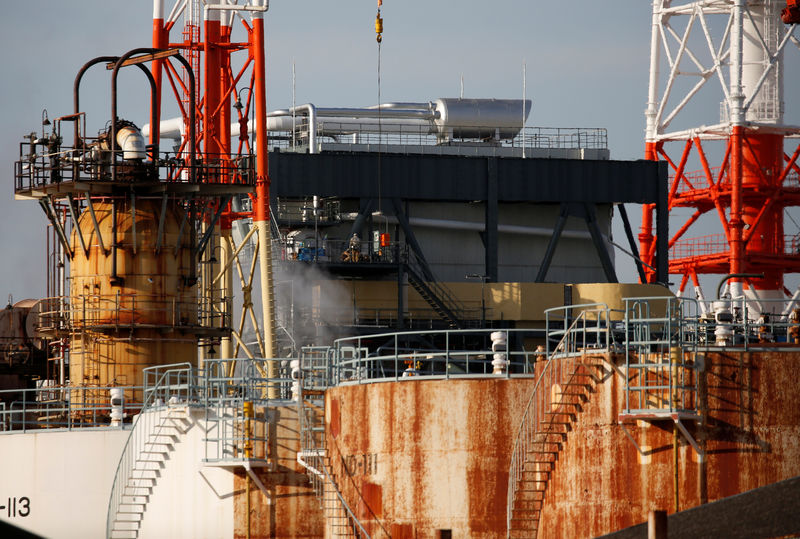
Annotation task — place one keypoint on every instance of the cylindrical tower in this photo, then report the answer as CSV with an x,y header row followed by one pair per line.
x,y
132,303
756,177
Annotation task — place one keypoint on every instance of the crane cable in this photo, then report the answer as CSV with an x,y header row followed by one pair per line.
x,y
379,39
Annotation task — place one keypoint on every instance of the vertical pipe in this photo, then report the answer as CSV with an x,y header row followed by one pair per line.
x,y
160,41
651,132
224,118
261,214
226,287
736,107
211,75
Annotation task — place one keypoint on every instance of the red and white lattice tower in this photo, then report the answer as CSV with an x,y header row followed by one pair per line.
x,y
747,156
207,42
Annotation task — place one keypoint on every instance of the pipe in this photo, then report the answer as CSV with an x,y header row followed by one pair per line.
x,y
451,224
737,276
312,124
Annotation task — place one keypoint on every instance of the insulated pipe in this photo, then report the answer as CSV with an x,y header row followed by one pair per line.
x,y
261,213
153,111
311,110
479,227
737,276
736,108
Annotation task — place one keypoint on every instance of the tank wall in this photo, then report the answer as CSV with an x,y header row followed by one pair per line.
x,y
419,456
291,510
149,301
602,483
426,455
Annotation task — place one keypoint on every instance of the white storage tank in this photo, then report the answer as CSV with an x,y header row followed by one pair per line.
x,y
480,118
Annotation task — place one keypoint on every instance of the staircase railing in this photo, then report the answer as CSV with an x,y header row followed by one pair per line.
x,y
435,293
164,386
353,523
314,378
593,327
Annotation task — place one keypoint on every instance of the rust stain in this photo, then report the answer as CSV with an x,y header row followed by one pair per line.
x,y
403,531
290,508
372,503
443,449
335,420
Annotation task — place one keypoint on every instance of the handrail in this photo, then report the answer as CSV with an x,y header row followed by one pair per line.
x,y
353,363
531,413
355,487
141,431
350,515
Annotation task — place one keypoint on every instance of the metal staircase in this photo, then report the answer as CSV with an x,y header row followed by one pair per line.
x,y
563,388
158,427
315,378
435,294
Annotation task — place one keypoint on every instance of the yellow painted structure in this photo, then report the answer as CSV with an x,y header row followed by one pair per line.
x,y
146,315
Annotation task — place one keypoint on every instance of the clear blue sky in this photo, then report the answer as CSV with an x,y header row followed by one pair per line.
x,y
587,66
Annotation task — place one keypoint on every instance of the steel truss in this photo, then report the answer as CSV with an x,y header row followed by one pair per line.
x,y
741,45
207,40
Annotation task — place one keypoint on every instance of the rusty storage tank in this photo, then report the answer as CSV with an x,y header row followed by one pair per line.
x,y
132,300
426,457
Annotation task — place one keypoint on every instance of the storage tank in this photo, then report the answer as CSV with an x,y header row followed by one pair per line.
x,y
135,307
480,118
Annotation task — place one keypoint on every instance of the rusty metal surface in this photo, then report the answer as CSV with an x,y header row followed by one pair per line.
x,y
751,436
144,299
769,511
290,509
438,451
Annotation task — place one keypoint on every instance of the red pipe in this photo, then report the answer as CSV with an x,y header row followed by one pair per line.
x,y
262,166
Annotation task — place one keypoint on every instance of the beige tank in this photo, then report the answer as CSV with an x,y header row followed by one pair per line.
x,y
147,315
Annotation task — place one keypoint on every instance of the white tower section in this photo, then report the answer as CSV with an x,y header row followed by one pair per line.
x,y
716,74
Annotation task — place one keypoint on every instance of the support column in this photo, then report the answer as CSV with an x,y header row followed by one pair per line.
x,y
490,270
225,288
736,107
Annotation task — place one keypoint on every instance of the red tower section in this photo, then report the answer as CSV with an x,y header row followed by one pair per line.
x,y
751,178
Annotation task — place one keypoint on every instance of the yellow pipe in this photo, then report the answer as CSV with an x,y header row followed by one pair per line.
x,y
267,302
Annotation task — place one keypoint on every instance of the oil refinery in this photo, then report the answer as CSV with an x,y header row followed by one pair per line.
x,y
405,319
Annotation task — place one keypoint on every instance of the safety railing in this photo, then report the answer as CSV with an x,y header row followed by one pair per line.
x,y
552,399
411,134
660,352
238,393
746,322
62,407
574,329
434,292
418,355
165,387
94,311
44,161
352,523
331,250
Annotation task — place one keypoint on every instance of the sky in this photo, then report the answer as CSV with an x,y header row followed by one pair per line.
x,y
586,62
